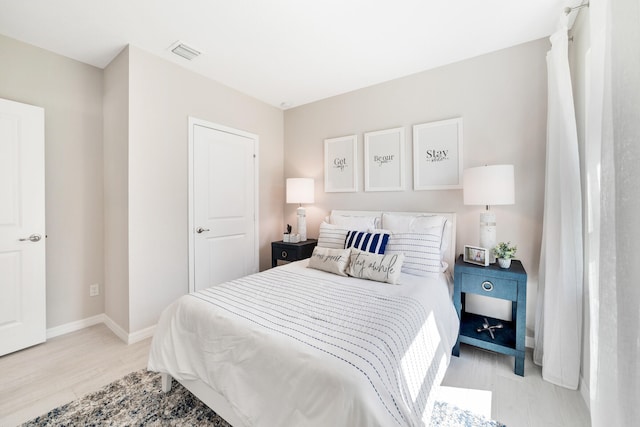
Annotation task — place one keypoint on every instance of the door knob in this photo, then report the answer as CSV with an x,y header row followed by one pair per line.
x,y
33,238
201,230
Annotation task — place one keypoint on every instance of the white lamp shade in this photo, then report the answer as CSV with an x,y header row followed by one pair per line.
x,y
300,190
489,185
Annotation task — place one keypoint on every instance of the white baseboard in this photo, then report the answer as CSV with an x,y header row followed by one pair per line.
x,y
129,338
141,334
74,326
116,329
529,341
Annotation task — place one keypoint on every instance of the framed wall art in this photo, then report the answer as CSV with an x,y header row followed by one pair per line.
x,y
437,155
383,160
340,164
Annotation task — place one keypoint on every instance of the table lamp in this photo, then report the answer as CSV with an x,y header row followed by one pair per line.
x,y
489,185
300,190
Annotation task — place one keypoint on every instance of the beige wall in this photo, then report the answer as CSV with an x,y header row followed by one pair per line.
x,y
71,94
135,240
502,99
116,192
162,96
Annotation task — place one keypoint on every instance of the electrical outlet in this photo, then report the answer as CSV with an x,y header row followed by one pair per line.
x,y
94,290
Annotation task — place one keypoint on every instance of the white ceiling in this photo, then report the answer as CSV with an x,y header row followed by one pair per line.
x,y
291,51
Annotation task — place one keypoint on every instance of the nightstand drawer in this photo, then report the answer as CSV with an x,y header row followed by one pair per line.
x,y
284,255
490,286
287,252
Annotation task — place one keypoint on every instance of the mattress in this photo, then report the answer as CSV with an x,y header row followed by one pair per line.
x,y
294,346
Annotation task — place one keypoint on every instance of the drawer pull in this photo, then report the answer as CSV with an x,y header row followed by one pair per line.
x,y
284,254
487,286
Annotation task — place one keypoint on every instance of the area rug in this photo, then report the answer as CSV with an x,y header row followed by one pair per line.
x,y
137,400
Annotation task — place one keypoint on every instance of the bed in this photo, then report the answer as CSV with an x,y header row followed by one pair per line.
x,y
301,346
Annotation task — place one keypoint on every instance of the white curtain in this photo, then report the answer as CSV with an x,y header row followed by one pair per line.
x,y
558,328
614,285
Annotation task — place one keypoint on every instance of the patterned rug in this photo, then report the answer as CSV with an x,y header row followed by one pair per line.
x,y
137,400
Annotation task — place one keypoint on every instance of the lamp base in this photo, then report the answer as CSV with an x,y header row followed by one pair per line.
x,y
302,224
488,234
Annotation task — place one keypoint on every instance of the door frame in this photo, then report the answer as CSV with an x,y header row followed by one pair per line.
x,y
193,121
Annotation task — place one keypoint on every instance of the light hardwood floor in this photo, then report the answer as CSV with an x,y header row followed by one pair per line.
x,y
38,379
43,377
516,401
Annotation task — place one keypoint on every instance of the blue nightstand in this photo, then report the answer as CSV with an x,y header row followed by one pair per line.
x,y
495,282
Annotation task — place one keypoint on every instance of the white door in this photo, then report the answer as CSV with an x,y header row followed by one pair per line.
x,y
223,205
22,227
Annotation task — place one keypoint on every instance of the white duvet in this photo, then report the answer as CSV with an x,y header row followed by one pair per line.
x,y
293,346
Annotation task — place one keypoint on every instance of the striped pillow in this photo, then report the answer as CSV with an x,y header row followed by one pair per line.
x,y
421,251
369,242
331,236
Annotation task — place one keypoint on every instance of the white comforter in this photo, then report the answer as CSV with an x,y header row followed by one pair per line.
x,y
293,346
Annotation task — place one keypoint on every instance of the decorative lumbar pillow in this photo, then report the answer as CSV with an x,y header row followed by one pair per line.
x,y
331,236
370,242
370,266
331,260
421,251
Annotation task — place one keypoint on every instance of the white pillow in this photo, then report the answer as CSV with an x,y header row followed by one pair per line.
x,y
407,223
420,224
421,251
446,239
331,236
331,260
381,268
352,222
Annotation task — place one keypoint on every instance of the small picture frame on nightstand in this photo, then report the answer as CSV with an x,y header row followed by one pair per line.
x,y
476,255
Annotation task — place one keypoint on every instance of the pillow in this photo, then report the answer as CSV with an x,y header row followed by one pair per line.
x,y
370,242
381,268
351,222
446,239
407,223
420,224
421,251
331,236
331,260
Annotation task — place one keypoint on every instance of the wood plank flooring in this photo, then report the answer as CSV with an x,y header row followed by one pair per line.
x,y
38,379
35,380
515,401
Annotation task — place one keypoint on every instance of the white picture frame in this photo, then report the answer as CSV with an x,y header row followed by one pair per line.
x,y
341,164
437,155
384,160
476,255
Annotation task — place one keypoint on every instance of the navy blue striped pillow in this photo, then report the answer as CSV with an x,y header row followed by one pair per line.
x,y
369,242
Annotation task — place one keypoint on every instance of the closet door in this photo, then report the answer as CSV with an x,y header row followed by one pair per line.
x,y
22,227
223,204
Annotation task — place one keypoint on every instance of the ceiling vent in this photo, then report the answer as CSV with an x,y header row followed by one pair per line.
x,y
187,52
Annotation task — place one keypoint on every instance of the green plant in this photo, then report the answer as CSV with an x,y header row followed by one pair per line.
x,y
504,250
